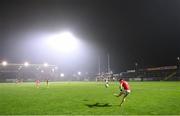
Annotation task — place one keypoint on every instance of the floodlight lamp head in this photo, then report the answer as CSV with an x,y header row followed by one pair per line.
x,y
45,64
4,63
62,74
79,73
26,64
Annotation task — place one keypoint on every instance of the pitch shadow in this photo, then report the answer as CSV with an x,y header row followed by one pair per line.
x,y
98,105
85,100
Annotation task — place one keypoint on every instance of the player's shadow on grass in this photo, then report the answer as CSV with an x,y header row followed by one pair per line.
x,y
98,105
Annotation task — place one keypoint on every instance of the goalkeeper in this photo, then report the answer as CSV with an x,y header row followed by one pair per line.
x,y
124,90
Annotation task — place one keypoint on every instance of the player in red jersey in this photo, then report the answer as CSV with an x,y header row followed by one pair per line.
x,y
124,90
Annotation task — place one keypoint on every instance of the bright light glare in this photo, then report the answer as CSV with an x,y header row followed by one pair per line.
x,y
45,64
4,63
79,73
63,42
26,64
62,74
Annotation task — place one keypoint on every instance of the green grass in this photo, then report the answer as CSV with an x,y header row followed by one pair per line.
x,y
89,98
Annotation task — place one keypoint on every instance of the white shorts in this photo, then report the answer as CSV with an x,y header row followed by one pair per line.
x,y
126,92
129,91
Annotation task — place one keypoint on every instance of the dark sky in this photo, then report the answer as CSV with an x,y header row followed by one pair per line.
x,y
143,31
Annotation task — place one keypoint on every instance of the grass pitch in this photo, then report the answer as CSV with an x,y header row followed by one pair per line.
x,y
89,98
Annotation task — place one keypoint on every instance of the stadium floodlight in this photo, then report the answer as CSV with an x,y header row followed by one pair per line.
x,y
79,73
26,64
62,74
4,63
45,64
64,42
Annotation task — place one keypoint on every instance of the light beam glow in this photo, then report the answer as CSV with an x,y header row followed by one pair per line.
x,y
46,65
63,42
62,74
4,63
79,73
26,64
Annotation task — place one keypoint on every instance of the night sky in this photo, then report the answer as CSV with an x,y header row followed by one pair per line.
x,y
143,31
